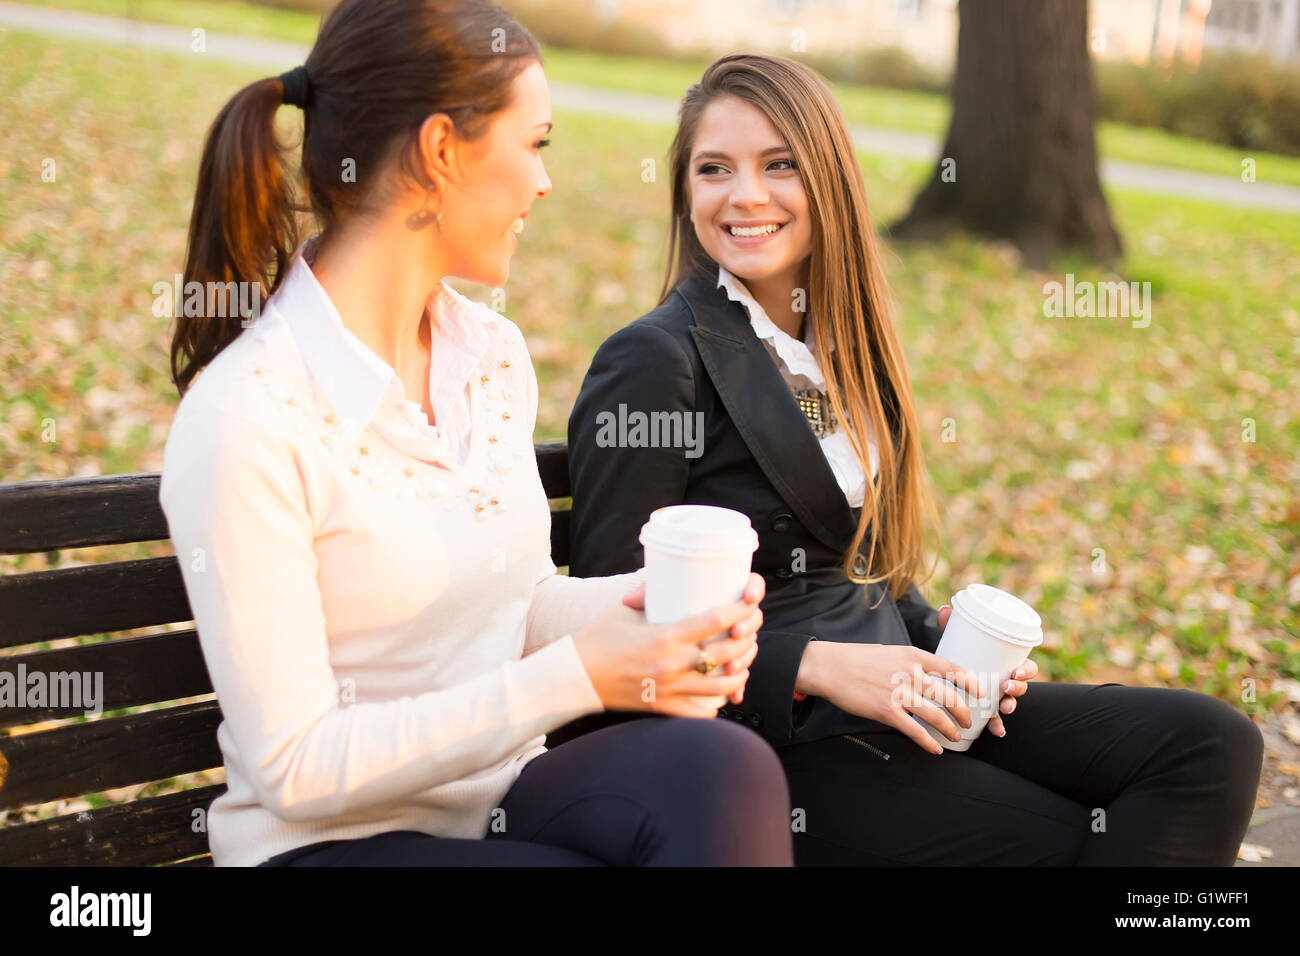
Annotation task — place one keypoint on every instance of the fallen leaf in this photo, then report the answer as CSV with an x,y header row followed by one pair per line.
x,y
1252,853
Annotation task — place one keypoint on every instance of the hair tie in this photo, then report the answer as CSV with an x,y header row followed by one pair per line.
x,y
297,87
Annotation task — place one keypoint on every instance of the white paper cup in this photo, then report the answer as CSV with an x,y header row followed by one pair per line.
x,y
697,557
989,633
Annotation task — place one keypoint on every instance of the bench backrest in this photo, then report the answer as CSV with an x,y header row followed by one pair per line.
x,y
52,753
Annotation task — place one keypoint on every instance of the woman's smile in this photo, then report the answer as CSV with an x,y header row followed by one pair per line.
x,y
747,235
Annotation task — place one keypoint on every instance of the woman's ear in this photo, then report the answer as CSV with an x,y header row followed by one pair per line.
x,y
438,150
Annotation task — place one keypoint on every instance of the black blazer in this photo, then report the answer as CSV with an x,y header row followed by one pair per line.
x,y
697,353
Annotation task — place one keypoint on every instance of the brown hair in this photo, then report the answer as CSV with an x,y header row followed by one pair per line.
x,y
378,69
867,379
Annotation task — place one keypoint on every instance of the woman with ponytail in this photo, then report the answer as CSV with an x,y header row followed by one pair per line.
x,y
352,492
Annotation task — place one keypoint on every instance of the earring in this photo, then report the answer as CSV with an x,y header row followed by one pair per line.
x,y
433,187
423,216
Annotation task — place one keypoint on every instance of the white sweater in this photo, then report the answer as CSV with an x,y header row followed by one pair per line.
x,y
386,634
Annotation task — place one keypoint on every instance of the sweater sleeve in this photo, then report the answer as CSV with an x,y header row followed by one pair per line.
x,y
562,605
237,509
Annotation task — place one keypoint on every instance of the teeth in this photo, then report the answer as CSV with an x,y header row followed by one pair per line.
x,y
517,226
767,230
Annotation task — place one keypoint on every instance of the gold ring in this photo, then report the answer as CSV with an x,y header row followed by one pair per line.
x,y
705,662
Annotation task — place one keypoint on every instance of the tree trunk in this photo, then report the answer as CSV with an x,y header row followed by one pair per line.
x,y
1020,159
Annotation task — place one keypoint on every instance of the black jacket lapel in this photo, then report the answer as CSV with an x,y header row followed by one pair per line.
x,y
765,412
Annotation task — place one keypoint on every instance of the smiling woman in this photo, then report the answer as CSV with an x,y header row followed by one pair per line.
x,y
774,323
766,191
354,476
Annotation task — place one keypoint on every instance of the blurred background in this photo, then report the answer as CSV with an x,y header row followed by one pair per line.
x,y
1137,484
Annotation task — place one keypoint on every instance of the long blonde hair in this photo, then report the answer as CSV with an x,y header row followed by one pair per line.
x,y
867,380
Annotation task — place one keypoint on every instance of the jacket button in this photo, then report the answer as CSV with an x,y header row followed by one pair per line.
x,y
756,721
784,573
739,716
723,712
782,523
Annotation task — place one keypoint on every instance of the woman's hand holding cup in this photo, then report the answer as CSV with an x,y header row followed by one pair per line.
x,y
639,666
890,683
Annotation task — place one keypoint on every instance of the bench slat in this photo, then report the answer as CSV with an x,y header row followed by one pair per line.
x,y
69,602
109,753
560,538
80,512
553,466
142,833
135,670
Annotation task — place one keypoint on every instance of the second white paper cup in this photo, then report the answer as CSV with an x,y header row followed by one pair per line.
x,y
697,557
989,633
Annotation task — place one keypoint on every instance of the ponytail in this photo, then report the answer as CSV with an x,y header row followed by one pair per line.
x,y
375,73
244,225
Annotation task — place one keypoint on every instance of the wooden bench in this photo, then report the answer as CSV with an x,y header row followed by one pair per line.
x,y
39,765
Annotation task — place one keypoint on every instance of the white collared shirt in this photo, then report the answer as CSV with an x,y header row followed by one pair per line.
x,y
386,634
798,364
359,382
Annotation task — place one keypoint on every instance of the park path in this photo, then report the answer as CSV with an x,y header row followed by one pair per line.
x,y
276,56
1274,836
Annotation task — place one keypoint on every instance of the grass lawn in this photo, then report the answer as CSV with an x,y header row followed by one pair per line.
x,y
1098,470
865,105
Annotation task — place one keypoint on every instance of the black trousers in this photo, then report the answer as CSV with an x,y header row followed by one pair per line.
x,y
658,791
1088,775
